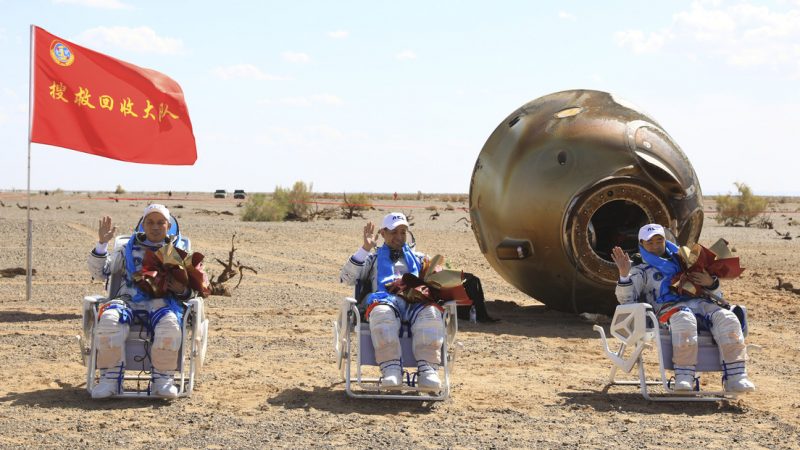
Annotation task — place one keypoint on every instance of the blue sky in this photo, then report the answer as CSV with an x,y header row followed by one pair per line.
x,y
339,93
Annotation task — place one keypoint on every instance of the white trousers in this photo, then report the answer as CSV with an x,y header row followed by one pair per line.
x,y
111,334
724,326
427,334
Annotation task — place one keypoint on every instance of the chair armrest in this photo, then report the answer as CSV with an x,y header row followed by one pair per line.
x,y
94,299
452,307
197,305
629,323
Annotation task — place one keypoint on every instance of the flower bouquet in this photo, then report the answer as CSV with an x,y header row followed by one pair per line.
x,y
171,263
434,284
718,261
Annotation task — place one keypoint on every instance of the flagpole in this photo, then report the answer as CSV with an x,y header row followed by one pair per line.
x,y
29,269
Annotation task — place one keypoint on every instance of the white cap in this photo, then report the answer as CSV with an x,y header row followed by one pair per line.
x,y
650,230
156,208
393,220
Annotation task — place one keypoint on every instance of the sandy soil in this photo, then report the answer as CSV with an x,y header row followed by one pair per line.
x,y
534,379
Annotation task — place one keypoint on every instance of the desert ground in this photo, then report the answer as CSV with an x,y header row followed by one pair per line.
x,y
535,379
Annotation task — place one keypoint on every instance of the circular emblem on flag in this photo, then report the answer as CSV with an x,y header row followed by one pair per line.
x,y
61,54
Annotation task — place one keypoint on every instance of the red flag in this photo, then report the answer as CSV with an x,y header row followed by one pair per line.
x,y
93,103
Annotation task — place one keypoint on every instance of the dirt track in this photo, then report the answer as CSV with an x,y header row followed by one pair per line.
x,y
534,379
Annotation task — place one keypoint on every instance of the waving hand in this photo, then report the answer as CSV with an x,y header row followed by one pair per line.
x,y
106,230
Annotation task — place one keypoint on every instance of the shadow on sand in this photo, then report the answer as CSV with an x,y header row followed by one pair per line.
x,y
334,399
70,396
22,316
633,402
530,321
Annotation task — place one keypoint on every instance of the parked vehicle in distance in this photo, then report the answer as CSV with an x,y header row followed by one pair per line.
x,y
239,193
220,193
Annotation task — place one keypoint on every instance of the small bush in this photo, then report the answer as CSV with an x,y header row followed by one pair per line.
x,y
297,201
260,208
354,204
765,222
745,207
451,198
120,189
285,204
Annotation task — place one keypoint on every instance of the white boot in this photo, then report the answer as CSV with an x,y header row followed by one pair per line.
x,y
109,382
427,378
684,378
735,378
164,385
391,374
739,383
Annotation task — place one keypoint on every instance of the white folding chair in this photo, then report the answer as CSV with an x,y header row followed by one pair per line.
x,y
138,367
636,327
352,342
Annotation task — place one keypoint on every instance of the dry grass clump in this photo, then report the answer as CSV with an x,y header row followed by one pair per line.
x,y
396,196
352,207
284,204
745,207
261,208
453,198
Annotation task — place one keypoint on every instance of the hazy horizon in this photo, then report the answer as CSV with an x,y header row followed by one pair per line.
x,y
338,93
327,193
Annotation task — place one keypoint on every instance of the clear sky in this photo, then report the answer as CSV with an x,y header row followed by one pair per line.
x,y
335,92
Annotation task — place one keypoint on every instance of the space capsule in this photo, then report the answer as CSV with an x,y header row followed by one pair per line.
x,y
564,179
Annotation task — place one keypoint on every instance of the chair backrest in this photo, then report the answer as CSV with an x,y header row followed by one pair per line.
x,y
361,290
629,323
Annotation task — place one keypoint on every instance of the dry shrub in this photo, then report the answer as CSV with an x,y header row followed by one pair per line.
x,y
745,207
297,200
449,207
119,190
354,204
451,198
765,222
260,208
380,196
285,204
431,208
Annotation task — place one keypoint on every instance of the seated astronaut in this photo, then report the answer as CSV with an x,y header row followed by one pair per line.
x,y
164,314
651,282
385,312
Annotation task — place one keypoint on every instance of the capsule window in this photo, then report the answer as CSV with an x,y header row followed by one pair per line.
x,y
616,223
